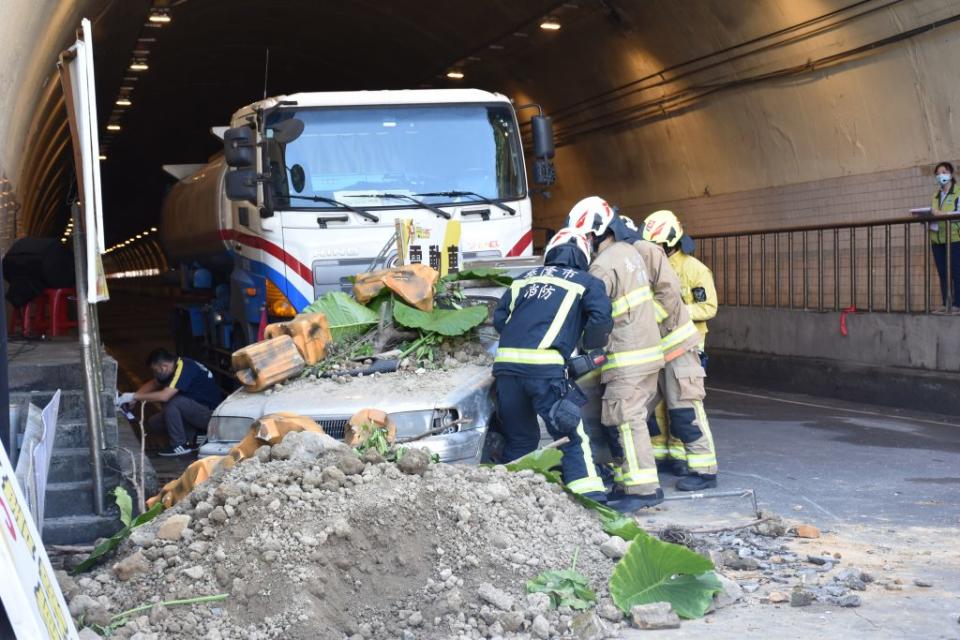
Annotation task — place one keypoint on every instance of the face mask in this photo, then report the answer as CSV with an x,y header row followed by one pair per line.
x,y
944,178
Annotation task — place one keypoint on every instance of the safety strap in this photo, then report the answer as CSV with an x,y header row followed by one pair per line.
x,y
632,358
528,356
631,300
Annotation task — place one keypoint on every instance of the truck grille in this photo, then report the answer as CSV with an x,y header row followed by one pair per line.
x,y
334,427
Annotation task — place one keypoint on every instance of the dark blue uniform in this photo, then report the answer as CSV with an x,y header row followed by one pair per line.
x,y
540,321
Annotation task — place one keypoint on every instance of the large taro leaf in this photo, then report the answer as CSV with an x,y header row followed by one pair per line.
x,y
481,273
543,461
656,571
347,317
447,322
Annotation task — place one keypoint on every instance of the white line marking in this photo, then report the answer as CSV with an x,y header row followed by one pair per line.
x,y
832,408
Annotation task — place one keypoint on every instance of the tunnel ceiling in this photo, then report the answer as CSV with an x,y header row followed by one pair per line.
x,y
210,59
652,99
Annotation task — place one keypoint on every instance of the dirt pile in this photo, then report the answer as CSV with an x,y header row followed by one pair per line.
x,y
310,541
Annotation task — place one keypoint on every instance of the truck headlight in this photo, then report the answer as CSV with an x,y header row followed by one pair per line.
x,y
228,428
411,424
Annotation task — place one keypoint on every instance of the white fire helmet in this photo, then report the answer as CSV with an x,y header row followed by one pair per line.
x,y
591,215
569,235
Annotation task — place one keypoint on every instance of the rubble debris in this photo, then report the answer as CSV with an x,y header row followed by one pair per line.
x,y
802,598
657,615
806,531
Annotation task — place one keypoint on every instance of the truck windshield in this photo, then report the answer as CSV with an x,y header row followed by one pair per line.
x,y
351,154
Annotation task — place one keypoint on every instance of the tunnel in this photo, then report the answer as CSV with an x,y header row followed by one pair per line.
x,y
797,142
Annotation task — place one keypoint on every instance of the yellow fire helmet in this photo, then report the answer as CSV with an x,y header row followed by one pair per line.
x,y
662,227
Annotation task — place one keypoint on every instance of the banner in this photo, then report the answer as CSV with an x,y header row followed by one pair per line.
x,y
79,89
435,243
28,589
35,455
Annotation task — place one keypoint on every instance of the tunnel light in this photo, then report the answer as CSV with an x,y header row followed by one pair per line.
x,y
153,229
102,157
139,235
160,17
550,24
139,65
455,75
113,127
123,102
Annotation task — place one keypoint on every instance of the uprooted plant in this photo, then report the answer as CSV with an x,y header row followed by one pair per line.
x,y
566,588
125,505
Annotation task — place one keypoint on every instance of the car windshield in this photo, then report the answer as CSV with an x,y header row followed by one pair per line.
x,y
358,155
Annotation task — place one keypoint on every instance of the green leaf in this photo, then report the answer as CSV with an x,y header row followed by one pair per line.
x,y
656,571
448,322
622,526
565,588
481,273
347,317
114,541
541,461
125,504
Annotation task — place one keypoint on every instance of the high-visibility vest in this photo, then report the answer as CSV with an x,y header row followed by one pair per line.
x,y
948,205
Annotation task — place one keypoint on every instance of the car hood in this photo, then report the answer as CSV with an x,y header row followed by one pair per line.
x,y
389,392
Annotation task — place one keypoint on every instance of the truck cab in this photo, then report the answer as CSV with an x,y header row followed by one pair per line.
x,y
314,184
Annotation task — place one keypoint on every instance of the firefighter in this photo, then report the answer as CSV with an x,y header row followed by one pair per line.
x,y
684,438
634,354
541,319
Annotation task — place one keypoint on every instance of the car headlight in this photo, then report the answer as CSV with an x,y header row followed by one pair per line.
x,y
411,424
228,428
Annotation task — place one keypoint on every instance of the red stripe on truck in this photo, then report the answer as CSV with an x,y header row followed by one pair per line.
x,y
256,242
521,245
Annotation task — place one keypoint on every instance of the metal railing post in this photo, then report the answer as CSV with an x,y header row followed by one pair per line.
x,y
926,270
790,269
853,266
869,268
948,296
907,302
776,270
820,268
806,288
736,266
763,271
836,269
726,273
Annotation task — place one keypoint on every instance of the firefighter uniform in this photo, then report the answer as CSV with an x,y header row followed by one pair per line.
x,y
681,382
634,359
540,320
699,294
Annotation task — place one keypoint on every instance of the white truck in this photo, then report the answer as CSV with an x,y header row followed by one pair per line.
x,y
308,190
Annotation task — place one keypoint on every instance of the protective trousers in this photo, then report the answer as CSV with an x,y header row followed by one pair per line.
x,y
519,401
681,387
626,402
666,445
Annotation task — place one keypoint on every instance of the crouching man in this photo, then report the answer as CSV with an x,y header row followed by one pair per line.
x,y
540,320
188,393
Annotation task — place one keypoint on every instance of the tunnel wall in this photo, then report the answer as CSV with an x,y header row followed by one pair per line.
x,y
33,33
854,139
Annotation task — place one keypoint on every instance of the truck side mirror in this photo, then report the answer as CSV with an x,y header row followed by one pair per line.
x,y
239,147
287,131
544,173
542,128
241,185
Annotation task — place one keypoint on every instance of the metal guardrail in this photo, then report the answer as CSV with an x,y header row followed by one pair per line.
x,y
873,266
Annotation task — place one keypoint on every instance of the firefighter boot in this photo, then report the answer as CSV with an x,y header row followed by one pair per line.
x,y
697,482
628,503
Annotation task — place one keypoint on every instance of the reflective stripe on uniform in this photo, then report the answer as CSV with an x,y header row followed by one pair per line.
x,y
630,358
560,318
632,299
592,482
701,460
659,312
677,452
643,476
678,336
528,356
176,374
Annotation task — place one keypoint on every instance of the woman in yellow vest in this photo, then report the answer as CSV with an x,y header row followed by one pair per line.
x,y
945,201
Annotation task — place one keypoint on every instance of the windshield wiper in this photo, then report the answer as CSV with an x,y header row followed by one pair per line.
x,y
480,198
342,205
403,196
